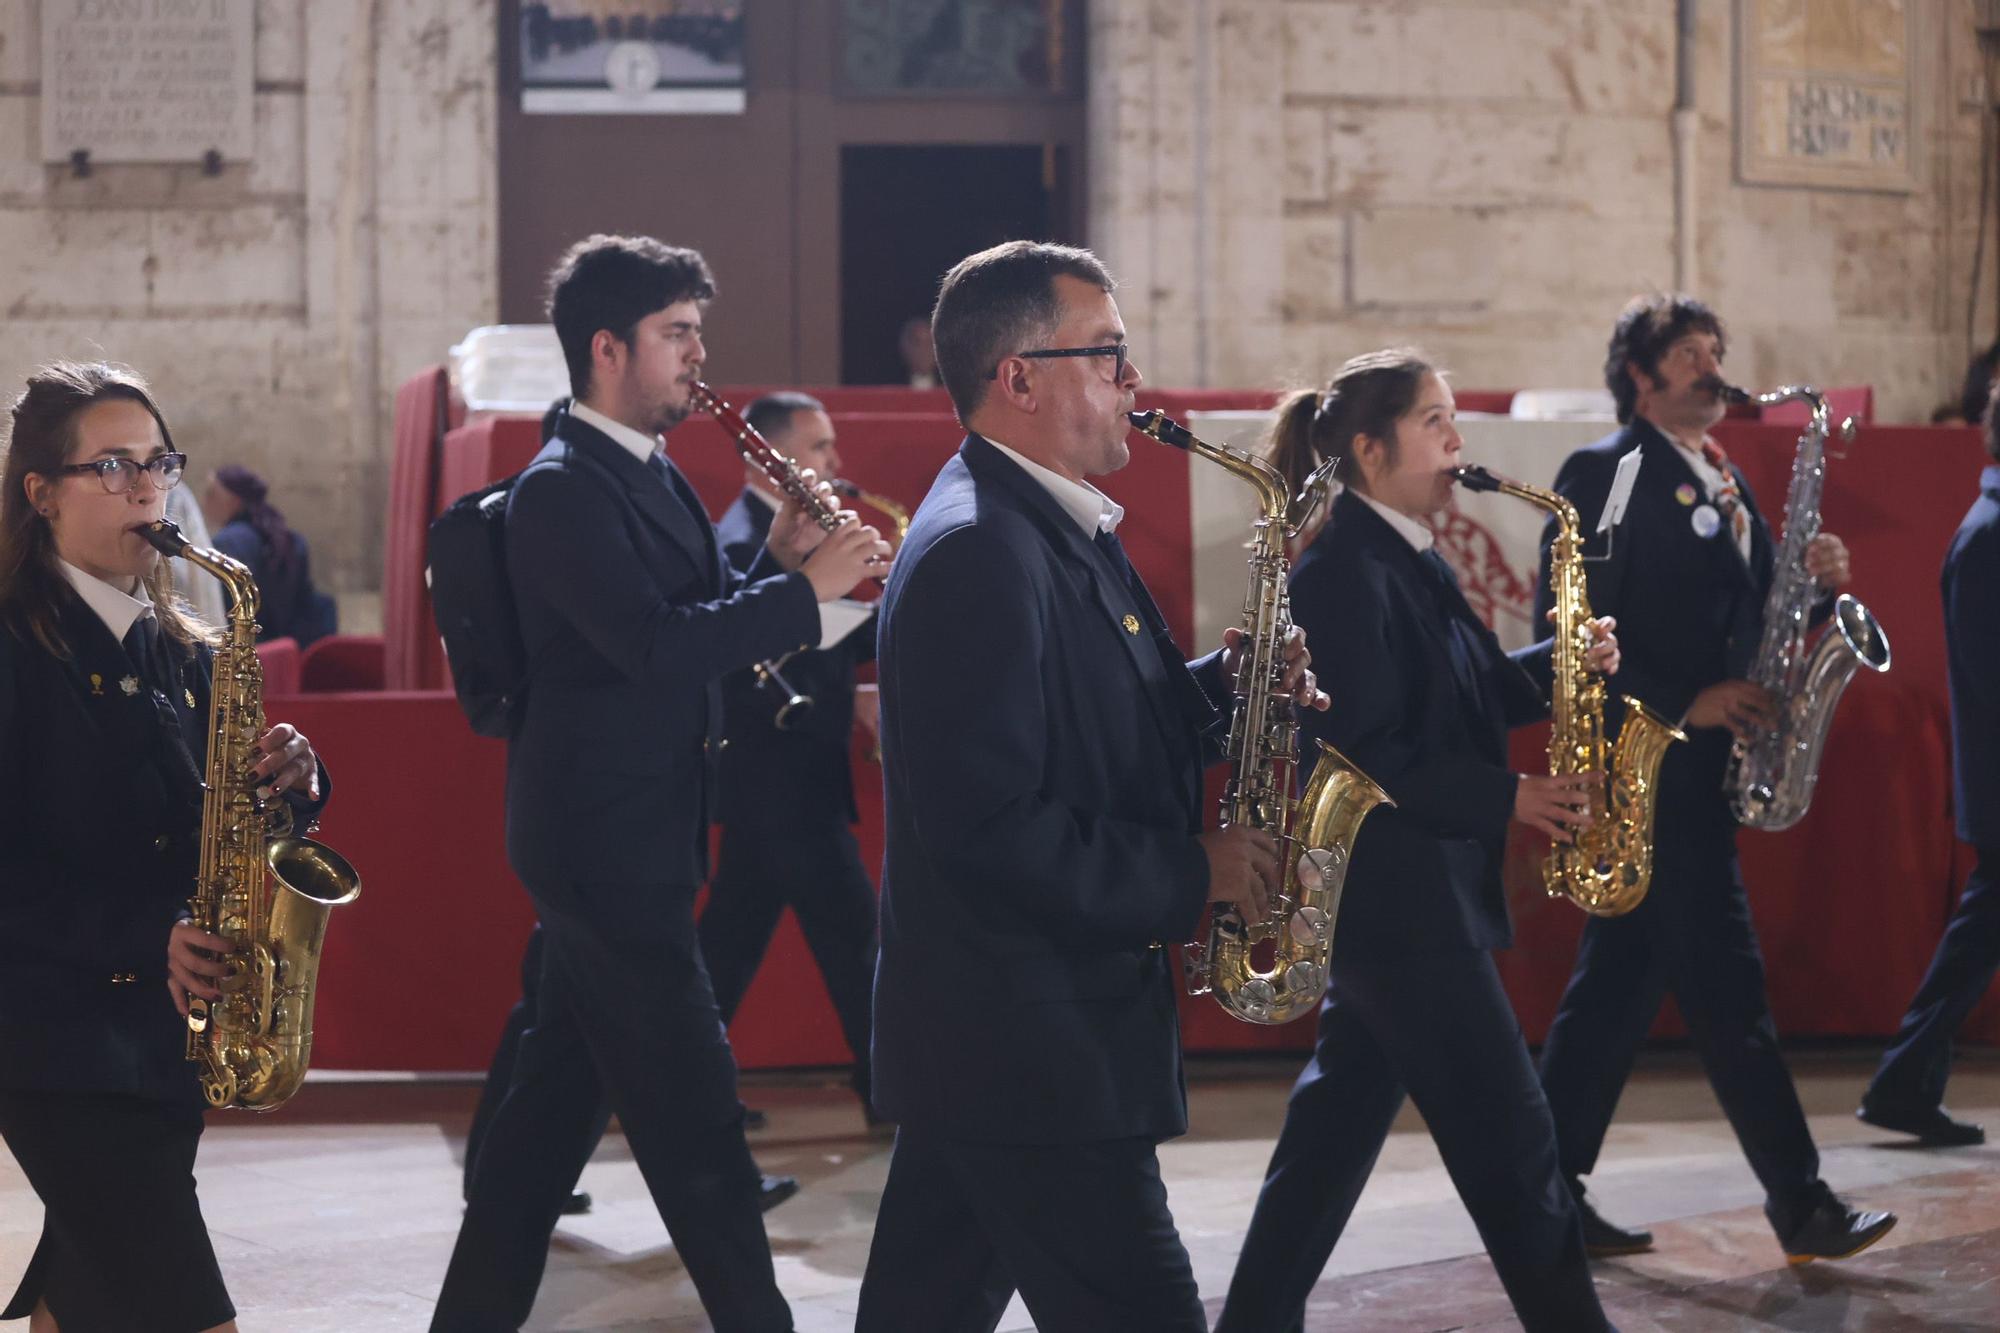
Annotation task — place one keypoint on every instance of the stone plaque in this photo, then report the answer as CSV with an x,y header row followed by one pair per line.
x,y
147,80
1825,93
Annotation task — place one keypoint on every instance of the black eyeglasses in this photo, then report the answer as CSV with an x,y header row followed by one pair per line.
x,y
120,475
1120,350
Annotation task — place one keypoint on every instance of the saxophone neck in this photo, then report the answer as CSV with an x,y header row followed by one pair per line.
x,y
1569,526
1273,495
234,575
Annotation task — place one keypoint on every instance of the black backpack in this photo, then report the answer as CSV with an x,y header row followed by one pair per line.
x,y
474,604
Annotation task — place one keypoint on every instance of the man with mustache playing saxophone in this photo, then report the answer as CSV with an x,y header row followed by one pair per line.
x,y
1042,745
1686,574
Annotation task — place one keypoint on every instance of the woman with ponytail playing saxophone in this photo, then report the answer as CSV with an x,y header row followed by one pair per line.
x,y
104,683
1422,699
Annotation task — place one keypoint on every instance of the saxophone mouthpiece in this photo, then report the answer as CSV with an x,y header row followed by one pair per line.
x,y
1475,479
1724,390
844,488
1161,427
164,534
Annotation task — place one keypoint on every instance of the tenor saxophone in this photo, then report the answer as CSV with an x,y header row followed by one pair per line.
x,y
1315,832
1771,777
1608,866
265,891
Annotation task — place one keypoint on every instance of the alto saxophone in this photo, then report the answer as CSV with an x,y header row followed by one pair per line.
x,y
1315,832
266,892
1771,777
1608,866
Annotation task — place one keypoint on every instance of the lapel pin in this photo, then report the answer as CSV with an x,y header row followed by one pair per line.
x,y
1131,623
1705,521
1684,493
96,683
189,696
129,684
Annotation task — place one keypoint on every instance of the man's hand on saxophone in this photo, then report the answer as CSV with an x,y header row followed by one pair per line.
x,y
1743,706
1243,870
1826,561
1300,682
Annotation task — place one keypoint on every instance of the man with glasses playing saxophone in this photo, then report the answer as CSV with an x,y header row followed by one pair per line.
x,y
786,802
1043,744
1686,575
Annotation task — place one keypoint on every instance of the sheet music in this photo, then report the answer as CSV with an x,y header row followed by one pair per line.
x,y
1621,491
840,618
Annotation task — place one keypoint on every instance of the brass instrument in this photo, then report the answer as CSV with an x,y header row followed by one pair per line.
x,y
1607,867
882,504
265,891
1771,778
1315,832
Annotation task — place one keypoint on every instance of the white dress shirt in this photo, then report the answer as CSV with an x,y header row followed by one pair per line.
x,y
1411,531
635,442
1092,509
118,609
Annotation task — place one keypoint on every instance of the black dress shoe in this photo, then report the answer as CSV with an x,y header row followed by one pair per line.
x,y
1933,1127
755,1119
1832,1230
1602,1240
577,1204
774,1190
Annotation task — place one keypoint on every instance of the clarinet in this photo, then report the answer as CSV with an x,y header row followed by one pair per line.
x,y
783,473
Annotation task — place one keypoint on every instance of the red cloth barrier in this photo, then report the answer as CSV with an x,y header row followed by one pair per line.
x,y
412,655
1849,905
279,659
342,662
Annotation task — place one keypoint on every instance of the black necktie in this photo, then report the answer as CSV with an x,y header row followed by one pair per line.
x,y
142,644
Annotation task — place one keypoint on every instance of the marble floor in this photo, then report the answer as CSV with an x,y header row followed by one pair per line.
x,y
339,1213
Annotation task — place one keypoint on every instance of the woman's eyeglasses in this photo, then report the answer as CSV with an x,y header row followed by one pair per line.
x,y
120,475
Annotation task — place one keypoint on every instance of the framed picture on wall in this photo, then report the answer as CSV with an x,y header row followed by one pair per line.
x,y
971,48
632,57
1826,93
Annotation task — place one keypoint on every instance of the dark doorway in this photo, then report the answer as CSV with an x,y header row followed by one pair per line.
x,y
907,214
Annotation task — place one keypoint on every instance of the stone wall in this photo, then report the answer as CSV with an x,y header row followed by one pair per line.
x,y
277,305
1283,183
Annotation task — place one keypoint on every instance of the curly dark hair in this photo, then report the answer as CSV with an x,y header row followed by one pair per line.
x,y
1647,327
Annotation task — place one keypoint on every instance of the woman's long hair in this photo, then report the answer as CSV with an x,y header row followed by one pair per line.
x,y
32,588
263,516
1365,397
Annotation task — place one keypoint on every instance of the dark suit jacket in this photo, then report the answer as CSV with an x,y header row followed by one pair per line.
x,y
1971,584
1043,772
1422,699
630,617
100,825
1689,608
803,772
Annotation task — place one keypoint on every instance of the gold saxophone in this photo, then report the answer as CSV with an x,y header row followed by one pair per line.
x,y
264,891
1315,833
1608,867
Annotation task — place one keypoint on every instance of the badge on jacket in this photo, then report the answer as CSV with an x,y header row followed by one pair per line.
x,y
1685,493
1705,521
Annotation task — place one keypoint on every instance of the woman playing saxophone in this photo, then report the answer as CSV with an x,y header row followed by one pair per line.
x,y
1422,700
104,684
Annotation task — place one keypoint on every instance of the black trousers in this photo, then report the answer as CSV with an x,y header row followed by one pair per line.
x,y
1918,1062
623,1013
1081,1230
124,1248
500,1074
1439,1028
1692,937
815,869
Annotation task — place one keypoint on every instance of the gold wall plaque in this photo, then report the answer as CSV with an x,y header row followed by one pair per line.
x,y
1826,93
